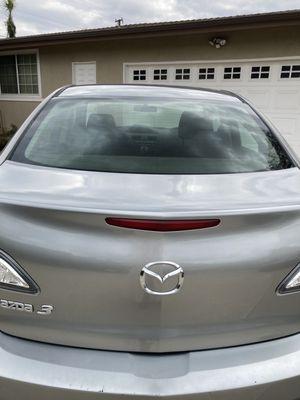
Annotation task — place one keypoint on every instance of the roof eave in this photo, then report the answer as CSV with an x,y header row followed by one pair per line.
x,y
160,29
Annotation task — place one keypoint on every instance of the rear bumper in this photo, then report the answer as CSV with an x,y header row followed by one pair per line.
x,y
30,370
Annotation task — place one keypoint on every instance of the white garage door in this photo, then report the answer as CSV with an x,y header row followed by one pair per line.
x,y
273,86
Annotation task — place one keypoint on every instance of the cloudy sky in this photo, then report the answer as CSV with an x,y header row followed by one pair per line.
x,y
39,16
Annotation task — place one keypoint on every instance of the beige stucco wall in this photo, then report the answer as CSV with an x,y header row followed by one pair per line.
x,y
15,112
56,61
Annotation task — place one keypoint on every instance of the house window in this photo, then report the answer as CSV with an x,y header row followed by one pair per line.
x,y
160,74
290,71
232,72
182,73
19,74
206,73
260,72
139,75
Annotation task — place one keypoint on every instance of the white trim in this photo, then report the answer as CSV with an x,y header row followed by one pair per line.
x,y
232,60
39,73
24,97
25,51
74,63
124,72
20,97
17,74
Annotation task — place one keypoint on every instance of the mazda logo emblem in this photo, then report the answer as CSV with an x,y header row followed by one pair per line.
x,y
155,270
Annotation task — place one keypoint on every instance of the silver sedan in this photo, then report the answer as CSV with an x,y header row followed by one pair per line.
x,y
150,247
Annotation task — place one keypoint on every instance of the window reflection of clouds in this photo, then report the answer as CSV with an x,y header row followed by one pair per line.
x,y
213,134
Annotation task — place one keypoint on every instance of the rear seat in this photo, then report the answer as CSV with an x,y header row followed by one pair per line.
x,y
198,136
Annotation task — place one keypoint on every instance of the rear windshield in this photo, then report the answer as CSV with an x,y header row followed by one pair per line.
x,y
155,136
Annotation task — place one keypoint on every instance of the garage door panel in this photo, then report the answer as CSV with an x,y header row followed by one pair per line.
x,y
259,97
289,127
287,99
260,81
285,124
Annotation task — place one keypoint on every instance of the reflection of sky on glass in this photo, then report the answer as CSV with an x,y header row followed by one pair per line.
x,y
141,129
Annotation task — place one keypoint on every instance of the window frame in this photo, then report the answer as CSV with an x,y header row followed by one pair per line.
x,y
140,74
260,72
208,73
23,96
232,73
159,75
289,72
184,75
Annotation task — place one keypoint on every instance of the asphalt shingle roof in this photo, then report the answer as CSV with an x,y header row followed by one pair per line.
x,y
157,27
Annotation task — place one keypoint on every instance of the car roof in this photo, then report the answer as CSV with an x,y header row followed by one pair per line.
x,y
157,91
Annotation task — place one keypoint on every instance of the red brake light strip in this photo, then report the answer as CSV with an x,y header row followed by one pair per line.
x,y
162,225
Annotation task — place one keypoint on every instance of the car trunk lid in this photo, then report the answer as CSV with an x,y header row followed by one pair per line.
x,y
54,226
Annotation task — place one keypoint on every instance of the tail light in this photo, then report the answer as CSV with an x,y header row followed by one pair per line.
x,y
13,277
291,283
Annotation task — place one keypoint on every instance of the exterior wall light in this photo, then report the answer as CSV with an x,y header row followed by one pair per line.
x,y
217,42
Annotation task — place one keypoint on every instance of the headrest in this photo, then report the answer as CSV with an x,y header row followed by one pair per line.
x,y
191,124
101,120
229,128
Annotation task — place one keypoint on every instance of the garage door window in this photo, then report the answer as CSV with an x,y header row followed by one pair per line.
x,y
160,74
182,73
290,71
260,72
232,72
139,75
206,73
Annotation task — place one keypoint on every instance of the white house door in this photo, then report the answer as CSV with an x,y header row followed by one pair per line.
x,y
84,73
273,86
